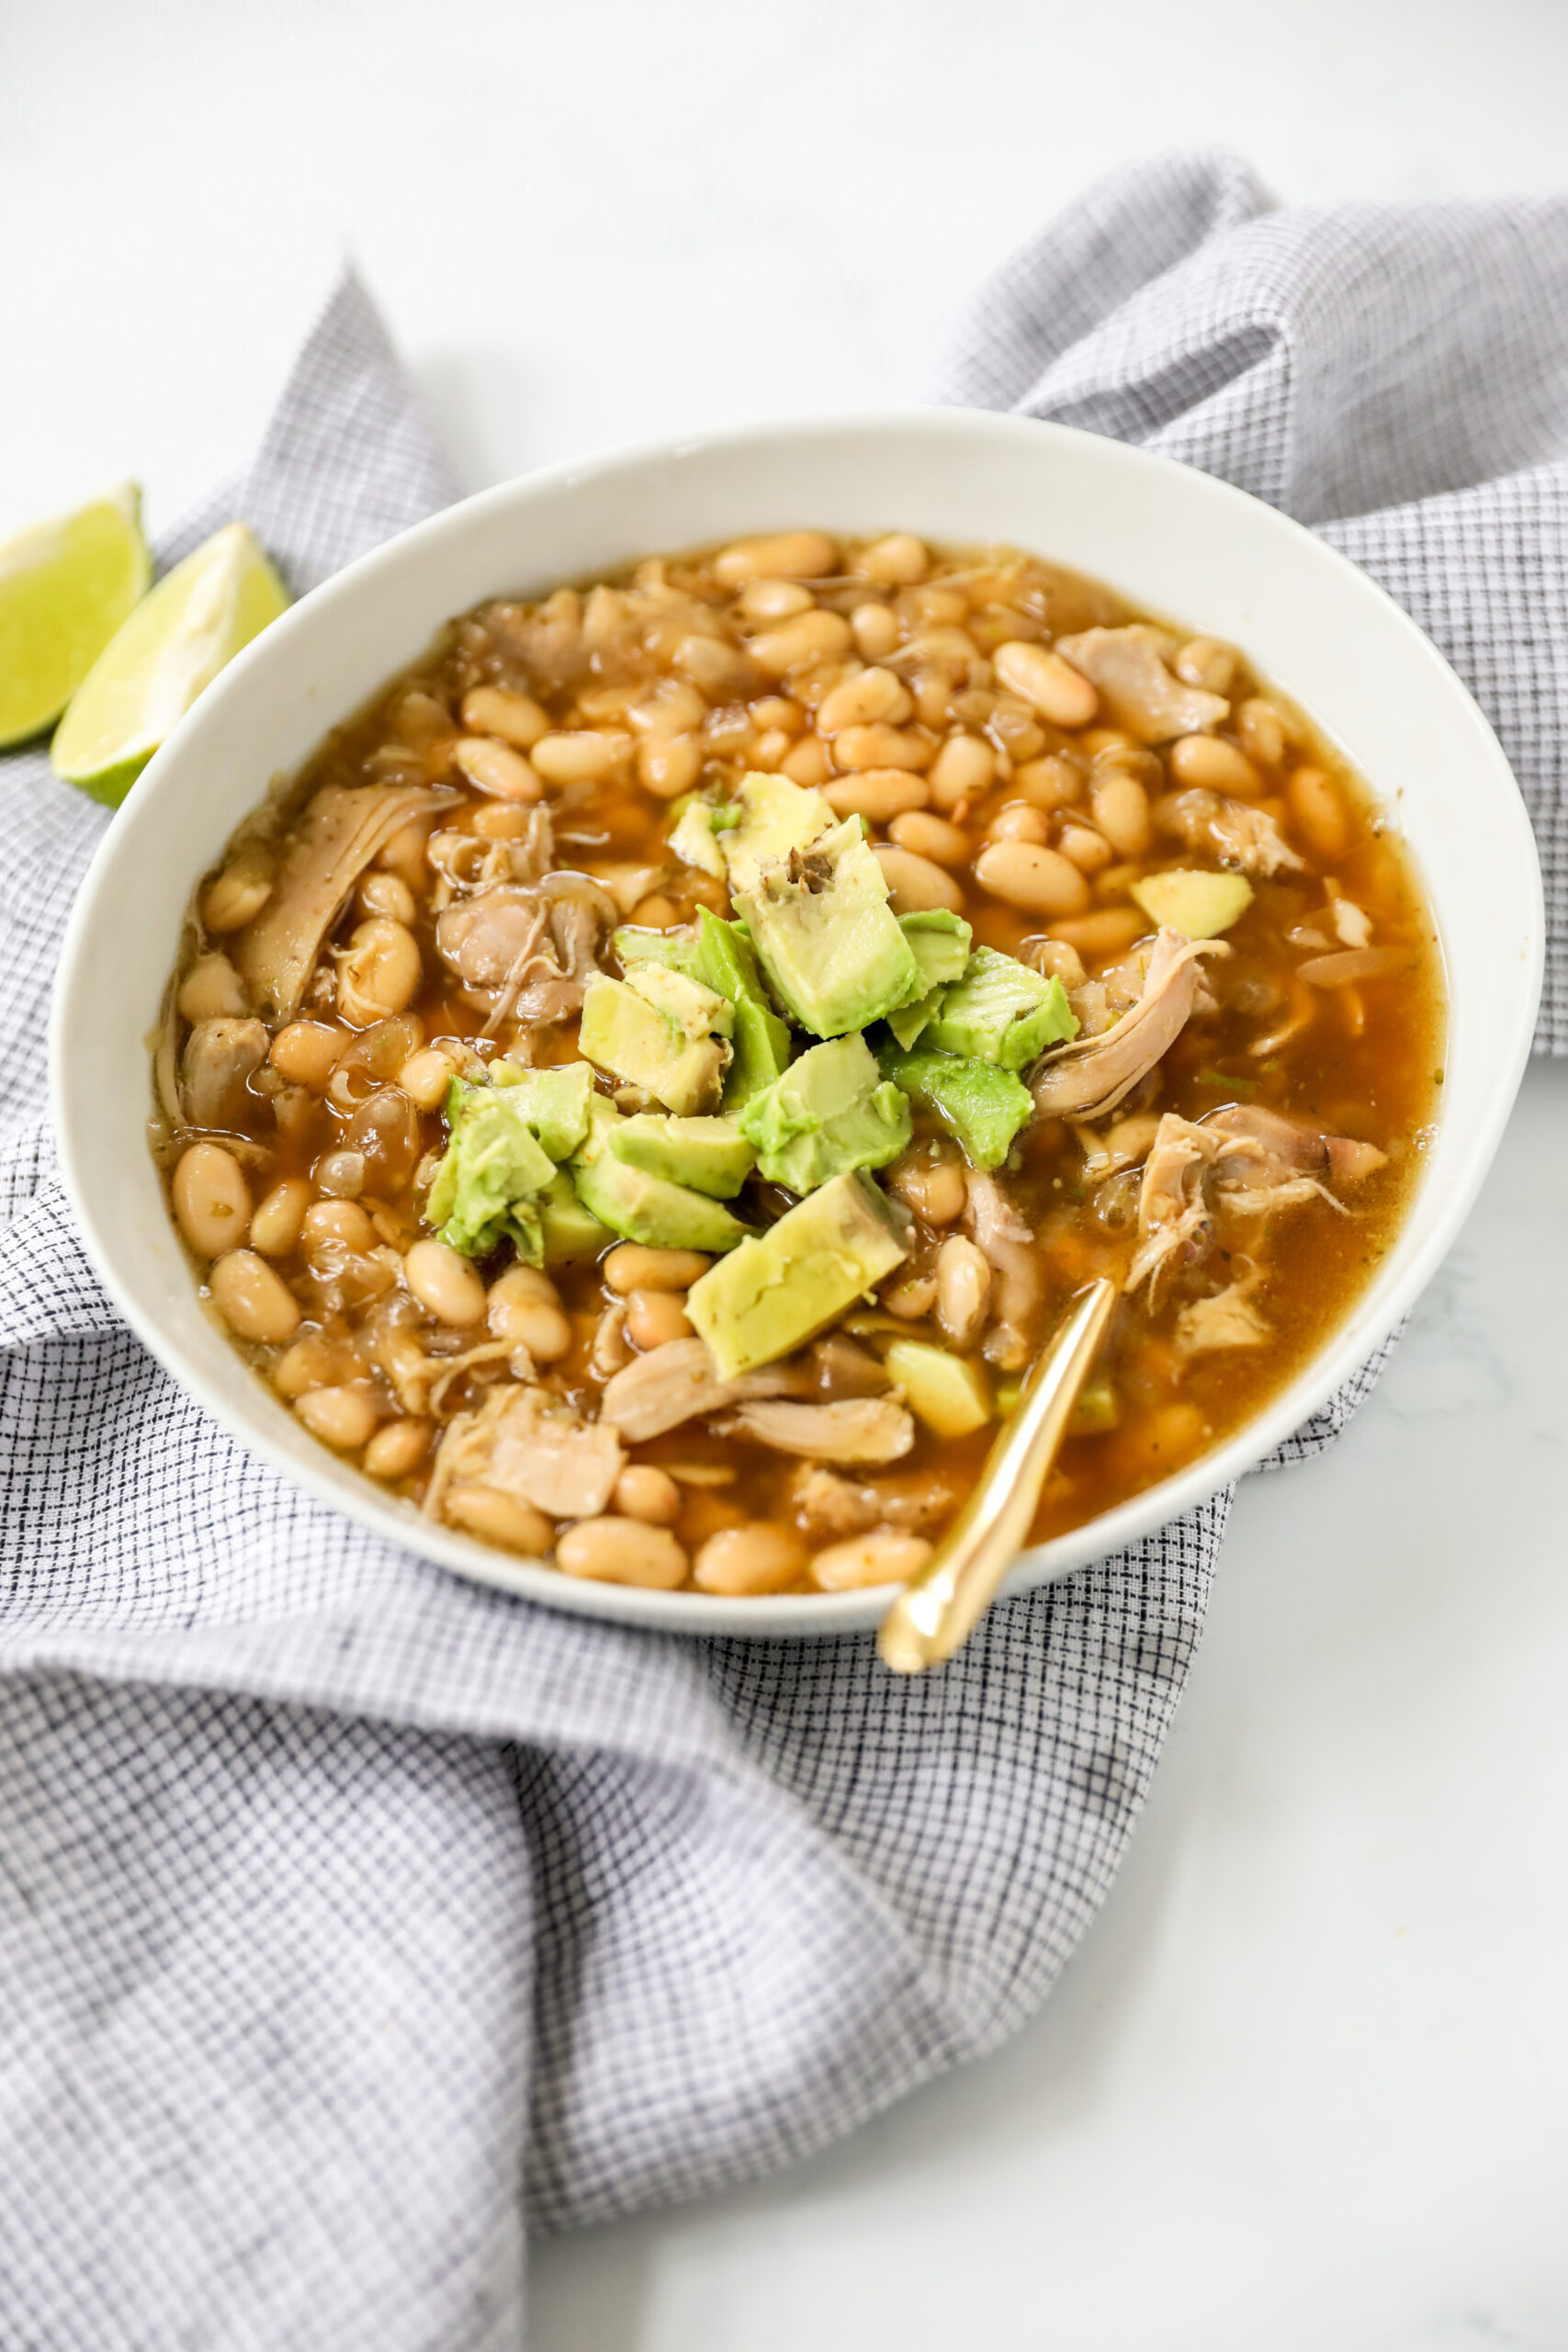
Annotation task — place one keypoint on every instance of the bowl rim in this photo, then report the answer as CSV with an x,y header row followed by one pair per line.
x,y
800,1616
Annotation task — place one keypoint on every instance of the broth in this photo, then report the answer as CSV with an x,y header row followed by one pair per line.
x,y
305,1073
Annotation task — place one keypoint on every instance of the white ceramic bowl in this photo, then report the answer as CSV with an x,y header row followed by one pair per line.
x,y
1172,540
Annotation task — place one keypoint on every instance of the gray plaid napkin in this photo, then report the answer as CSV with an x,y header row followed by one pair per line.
x,y
346,1912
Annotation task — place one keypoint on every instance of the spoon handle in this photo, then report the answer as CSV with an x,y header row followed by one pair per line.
x,y
943,1602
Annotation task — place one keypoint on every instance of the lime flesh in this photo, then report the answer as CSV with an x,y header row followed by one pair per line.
x,y
174,644
65,587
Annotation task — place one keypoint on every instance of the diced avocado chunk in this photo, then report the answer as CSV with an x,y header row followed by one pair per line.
x,y
762,1042
1098,1408
981,1107
643,1208
776,816
661,1031
1193,901
493,1169
780,1288
571,1231
1000,1011
678,949
950,1393
693,842
831,1110
826,935
719,956
710,1155
939,941
552,1102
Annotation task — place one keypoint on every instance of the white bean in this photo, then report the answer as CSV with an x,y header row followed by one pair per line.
x,y
253,1302
780,555
631,1265
1047,683
212,1200
1026,875
622,1551
764,1558
445,1283
498,1518
211,990
397,1450
915,883
280,1215
380,972
961,770
344,1418
496,711
883,1556
644,1492
496,767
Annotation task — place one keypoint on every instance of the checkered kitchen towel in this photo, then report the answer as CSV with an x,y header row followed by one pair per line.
x,y
349,1912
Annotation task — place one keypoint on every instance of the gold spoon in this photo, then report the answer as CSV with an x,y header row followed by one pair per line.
x,y
942,1602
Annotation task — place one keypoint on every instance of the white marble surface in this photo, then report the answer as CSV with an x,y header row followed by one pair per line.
x,y
1306,2082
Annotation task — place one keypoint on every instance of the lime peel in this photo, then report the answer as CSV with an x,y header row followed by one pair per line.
x,y
65,587
172,647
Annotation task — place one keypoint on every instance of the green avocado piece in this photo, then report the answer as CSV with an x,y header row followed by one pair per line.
x,y
780,1288
493,1169
710,1155
831,1110
827,937
1193,900
719,956
776,816
694,841
981,1107
939,941
552,1102
950,1393
762,1041
1000,1011
678,949
661,1031
570,1231
643,1208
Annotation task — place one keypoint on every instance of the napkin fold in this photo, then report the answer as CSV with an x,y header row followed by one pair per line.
x,y
349,1912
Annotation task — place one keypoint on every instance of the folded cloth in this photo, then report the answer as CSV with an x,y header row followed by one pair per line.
x,y
349,1912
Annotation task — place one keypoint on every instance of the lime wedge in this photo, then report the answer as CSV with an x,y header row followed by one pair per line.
x,y
64,589
174,644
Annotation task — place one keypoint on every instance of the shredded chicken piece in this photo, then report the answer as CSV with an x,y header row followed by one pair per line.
x,y
220,1057
1254,1162
497,942
448,1369
1261,1154
1229,1319
1090,1076
826,1505
857,1428
1128,667
1229,830
1172,1211
680,1380
531,1444
1008,1245
342,828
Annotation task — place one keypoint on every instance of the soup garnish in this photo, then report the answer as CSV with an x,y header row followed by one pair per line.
x,y
645,1092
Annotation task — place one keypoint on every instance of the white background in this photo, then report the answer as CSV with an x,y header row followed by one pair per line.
x,y
1305,2085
